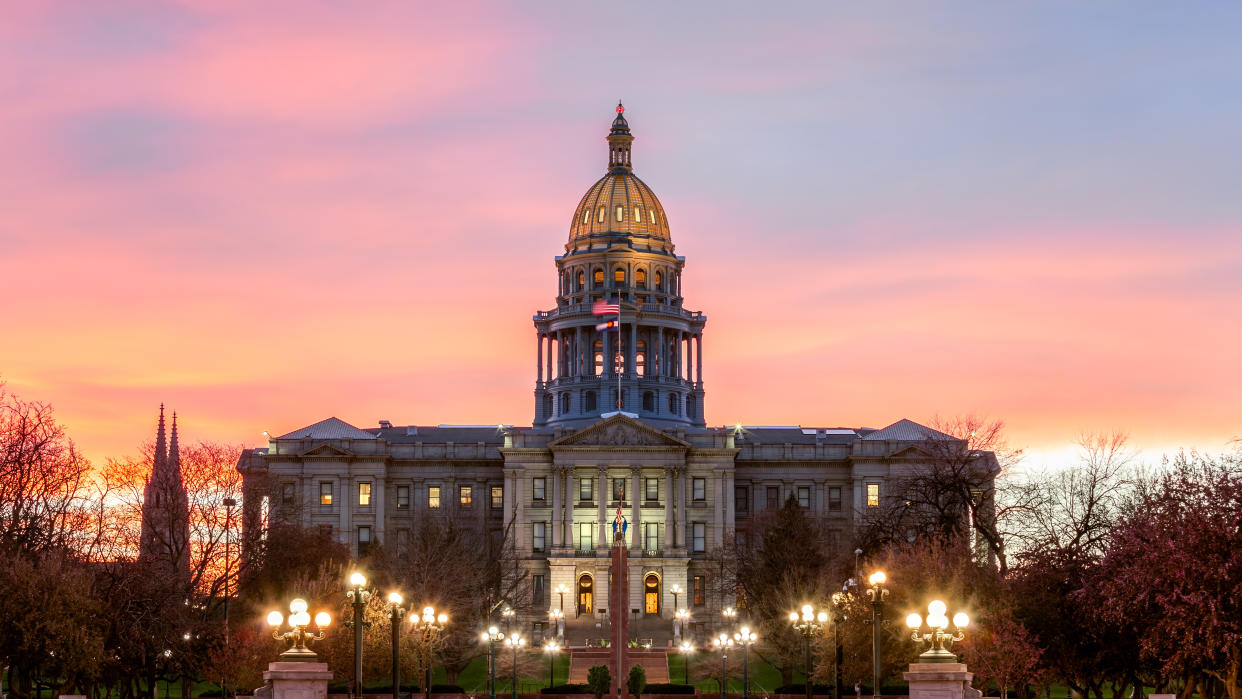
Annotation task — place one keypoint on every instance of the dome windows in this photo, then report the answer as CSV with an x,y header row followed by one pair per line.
x,y
581,280
618,276
651,212
598,277
620,214
659,280
586,216
638,215
601,214
640,279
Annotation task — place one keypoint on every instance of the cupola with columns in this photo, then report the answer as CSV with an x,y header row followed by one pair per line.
x,y
619,251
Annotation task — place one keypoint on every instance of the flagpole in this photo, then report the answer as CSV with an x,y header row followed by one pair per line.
x,y
620,356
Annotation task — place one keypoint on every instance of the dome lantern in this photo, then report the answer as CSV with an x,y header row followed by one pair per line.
x,y
619,140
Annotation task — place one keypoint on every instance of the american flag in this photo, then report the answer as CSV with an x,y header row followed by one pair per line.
x,y
602,309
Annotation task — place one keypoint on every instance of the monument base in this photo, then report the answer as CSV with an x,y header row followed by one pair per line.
x,y
940,681
293,680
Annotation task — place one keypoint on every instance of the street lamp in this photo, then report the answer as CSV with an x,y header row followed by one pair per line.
x,y
491,636
297,636
938,639
838,607
877,594
508,613
551,648
515,641
723,643
395,612
561,589
428,626
808,623
358,596
229,504
745,638
557,617
676,590
687,650
681,620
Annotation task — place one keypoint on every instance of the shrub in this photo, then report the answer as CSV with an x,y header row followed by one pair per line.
x,y
599,679
637,681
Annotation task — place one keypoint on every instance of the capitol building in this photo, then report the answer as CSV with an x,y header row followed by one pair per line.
x,y
618,422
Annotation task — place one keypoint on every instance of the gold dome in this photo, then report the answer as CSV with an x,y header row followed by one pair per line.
x,y
620,205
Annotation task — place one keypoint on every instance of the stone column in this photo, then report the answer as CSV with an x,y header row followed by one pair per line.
x,y
578,351
719,515
730,501
659,357
522,528
601,496
558,519
341,502
378,498
311,499
632,351
698,362
636,519
669,523
690,357
509,504
682,495
548,350
539,357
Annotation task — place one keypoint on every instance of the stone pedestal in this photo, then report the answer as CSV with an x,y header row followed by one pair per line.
x,y
297,680
940,681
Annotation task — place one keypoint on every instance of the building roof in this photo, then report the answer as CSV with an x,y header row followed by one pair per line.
x,y
332,428
906,431
440,434
759,434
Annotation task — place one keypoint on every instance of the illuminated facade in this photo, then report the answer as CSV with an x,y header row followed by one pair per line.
x,y
686,489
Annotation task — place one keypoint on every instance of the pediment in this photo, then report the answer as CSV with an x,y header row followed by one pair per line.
x,y
619,431
326,449
910,451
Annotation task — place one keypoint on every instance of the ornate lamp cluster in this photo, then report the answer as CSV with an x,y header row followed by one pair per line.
x,y
938,640
809,623
298,636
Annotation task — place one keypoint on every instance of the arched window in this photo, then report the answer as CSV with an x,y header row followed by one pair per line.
x,y
581,280
597,278
640,278
649,401
565,403
690,401
618,276
589,401
651,592
586,590
659,280
599,357
672,403
640,358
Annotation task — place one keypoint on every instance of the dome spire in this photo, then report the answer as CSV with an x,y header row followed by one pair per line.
x,y
619,140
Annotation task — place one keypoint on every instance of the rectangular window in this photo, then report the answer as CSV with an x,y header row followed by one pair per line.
x,y
601,214
618,489
651,536
540,488
697,588
873,495
364,495
700,536
538,536
741,499
498,496
586,489
536,590
286,494
364,539
433,497
773,497
653,489
620,214
325,493
834,499
465,494
804,496
700,488
403,497
586,536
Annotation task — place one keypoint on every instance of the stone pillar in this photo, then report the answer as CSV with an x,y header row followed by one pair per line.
x,y
698,362
682,495
341,501
294,680
670,524
558,519
940,681
730,501
690,357
548,350
539,357
310,500
521,530
378,498
578,351
719,515
601,496
632,351
636,519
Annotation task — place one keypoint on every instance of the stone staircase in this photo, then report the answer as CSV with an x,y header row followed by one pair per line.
x,y
655,662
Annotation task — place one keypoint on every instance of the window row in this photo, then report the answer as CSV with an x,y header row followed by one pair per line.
x,y
802,493
590,400
465,495
620,214
576,280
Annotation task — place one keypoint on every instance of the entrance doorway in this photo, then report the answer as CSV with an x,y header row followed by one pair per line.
x,y
651,594
586,594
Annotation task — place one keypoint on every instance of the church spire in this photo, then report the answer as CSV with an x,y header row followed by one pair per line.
x,y
174,453
619,140
161,450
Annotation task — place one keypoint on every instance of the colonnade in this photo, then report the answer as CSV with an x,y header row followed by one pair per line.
x,y
563,353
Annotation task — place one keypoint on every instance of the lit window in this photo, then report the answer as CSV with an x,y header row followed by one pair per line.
x,y
618,277
697,588
804,496
700,488
364,537
586,535
433,497
586,489
659,280
498,496
638,215
581,280
537,536
586,215
599,360
651,212
700,537
540,488
640,279
620,214
464,495
873,495
601,214
364,495
598,277
653,489
325,493
834,499
651,536
403,497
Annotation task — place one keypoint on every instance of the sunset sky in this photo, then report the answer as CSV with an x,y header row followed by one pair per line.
x,y
265,214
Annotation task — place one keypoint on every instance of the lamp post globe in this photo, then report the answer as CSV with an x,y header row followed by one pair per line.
x,y
358,596
877,594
